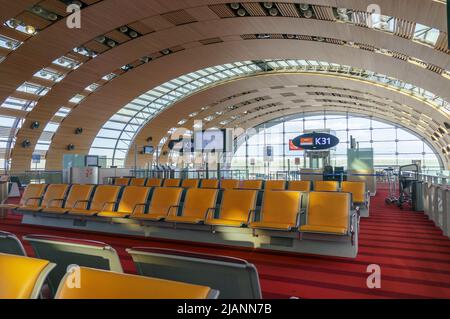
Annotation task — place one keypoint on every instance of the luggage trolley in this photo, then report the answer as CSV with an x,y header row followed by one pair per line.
x,y
407,175
390,176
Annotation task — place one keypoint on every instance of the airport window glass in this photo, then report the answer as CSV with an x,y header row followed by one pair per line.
x,y
147,106
393,145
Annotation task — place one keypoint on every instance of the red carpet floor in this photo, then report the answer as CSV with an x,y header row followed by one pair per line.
x,y
413,255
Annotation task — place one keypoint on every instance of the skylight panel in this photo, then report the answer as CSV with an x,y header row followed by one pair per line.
x,y
63,111
33,89
9,43
49,74
93,87
109,77
67,62
77,98
19,104
426,34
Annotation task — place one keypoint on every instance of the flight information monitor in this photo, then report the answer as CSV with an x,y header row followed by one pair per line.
x,y
210,141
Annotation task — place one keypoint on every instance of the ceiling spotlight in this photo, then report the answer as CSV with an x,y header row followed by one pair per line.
x,y
145,59
34,125
70,147
26,143
165,51
133,34
123,29
268,5
37,10
273,12
111,43
290,36
13,23
101,39
78,130
304,6
308,14
52,16
234,5
263,36
241,12
342,11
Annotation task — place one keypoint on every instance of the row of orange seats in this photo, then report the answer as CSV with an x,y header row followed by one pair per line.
x,y
326,212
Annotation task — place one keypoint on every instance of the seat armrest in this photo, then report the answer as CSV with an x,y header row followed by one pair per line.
x,y
136,206
169,210
50,201
108,203
298,218
208,212
31,198
80,201
251,216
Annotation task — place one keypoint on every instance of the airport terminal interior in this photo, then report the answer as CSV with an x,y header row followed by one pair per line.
x,y
205,149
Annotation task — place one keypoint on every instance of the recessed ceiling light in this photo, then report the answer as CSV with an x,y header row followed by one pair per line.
x,y
234,5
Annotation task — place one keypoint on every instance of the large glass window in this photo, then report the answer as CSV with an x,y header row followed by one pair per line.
x,y
393,146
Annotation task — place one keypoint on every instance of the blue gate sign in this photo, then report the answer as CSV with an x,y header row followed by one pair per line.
x,y
36,158
316,141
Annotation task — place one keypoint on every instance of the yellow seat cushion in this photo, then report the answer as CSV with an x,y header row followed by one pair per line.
x,y
225,222
113,214
184,219
19,275
100,284
324,229
55,210
271,225
83,212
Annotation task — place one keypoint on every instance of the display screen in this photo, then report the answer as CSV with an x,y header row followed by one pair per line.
x,y
209,141
148,149
91,160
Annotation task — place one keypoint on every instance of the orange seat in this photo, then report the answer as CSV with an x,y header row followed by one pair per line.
x,y
273,185
154,182
77,197
198,202
133,200
326,186
104,199
101,284
53,197
210,183
172,182
327,212
229,183
235,208
22,277
190,183
121,181
301,186
31,197
137,182
280,211
163,200
252,184
357,189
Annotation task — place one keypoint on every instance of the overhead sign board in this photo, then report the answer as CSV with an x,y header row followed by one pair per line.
x,y
315,141
292,147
